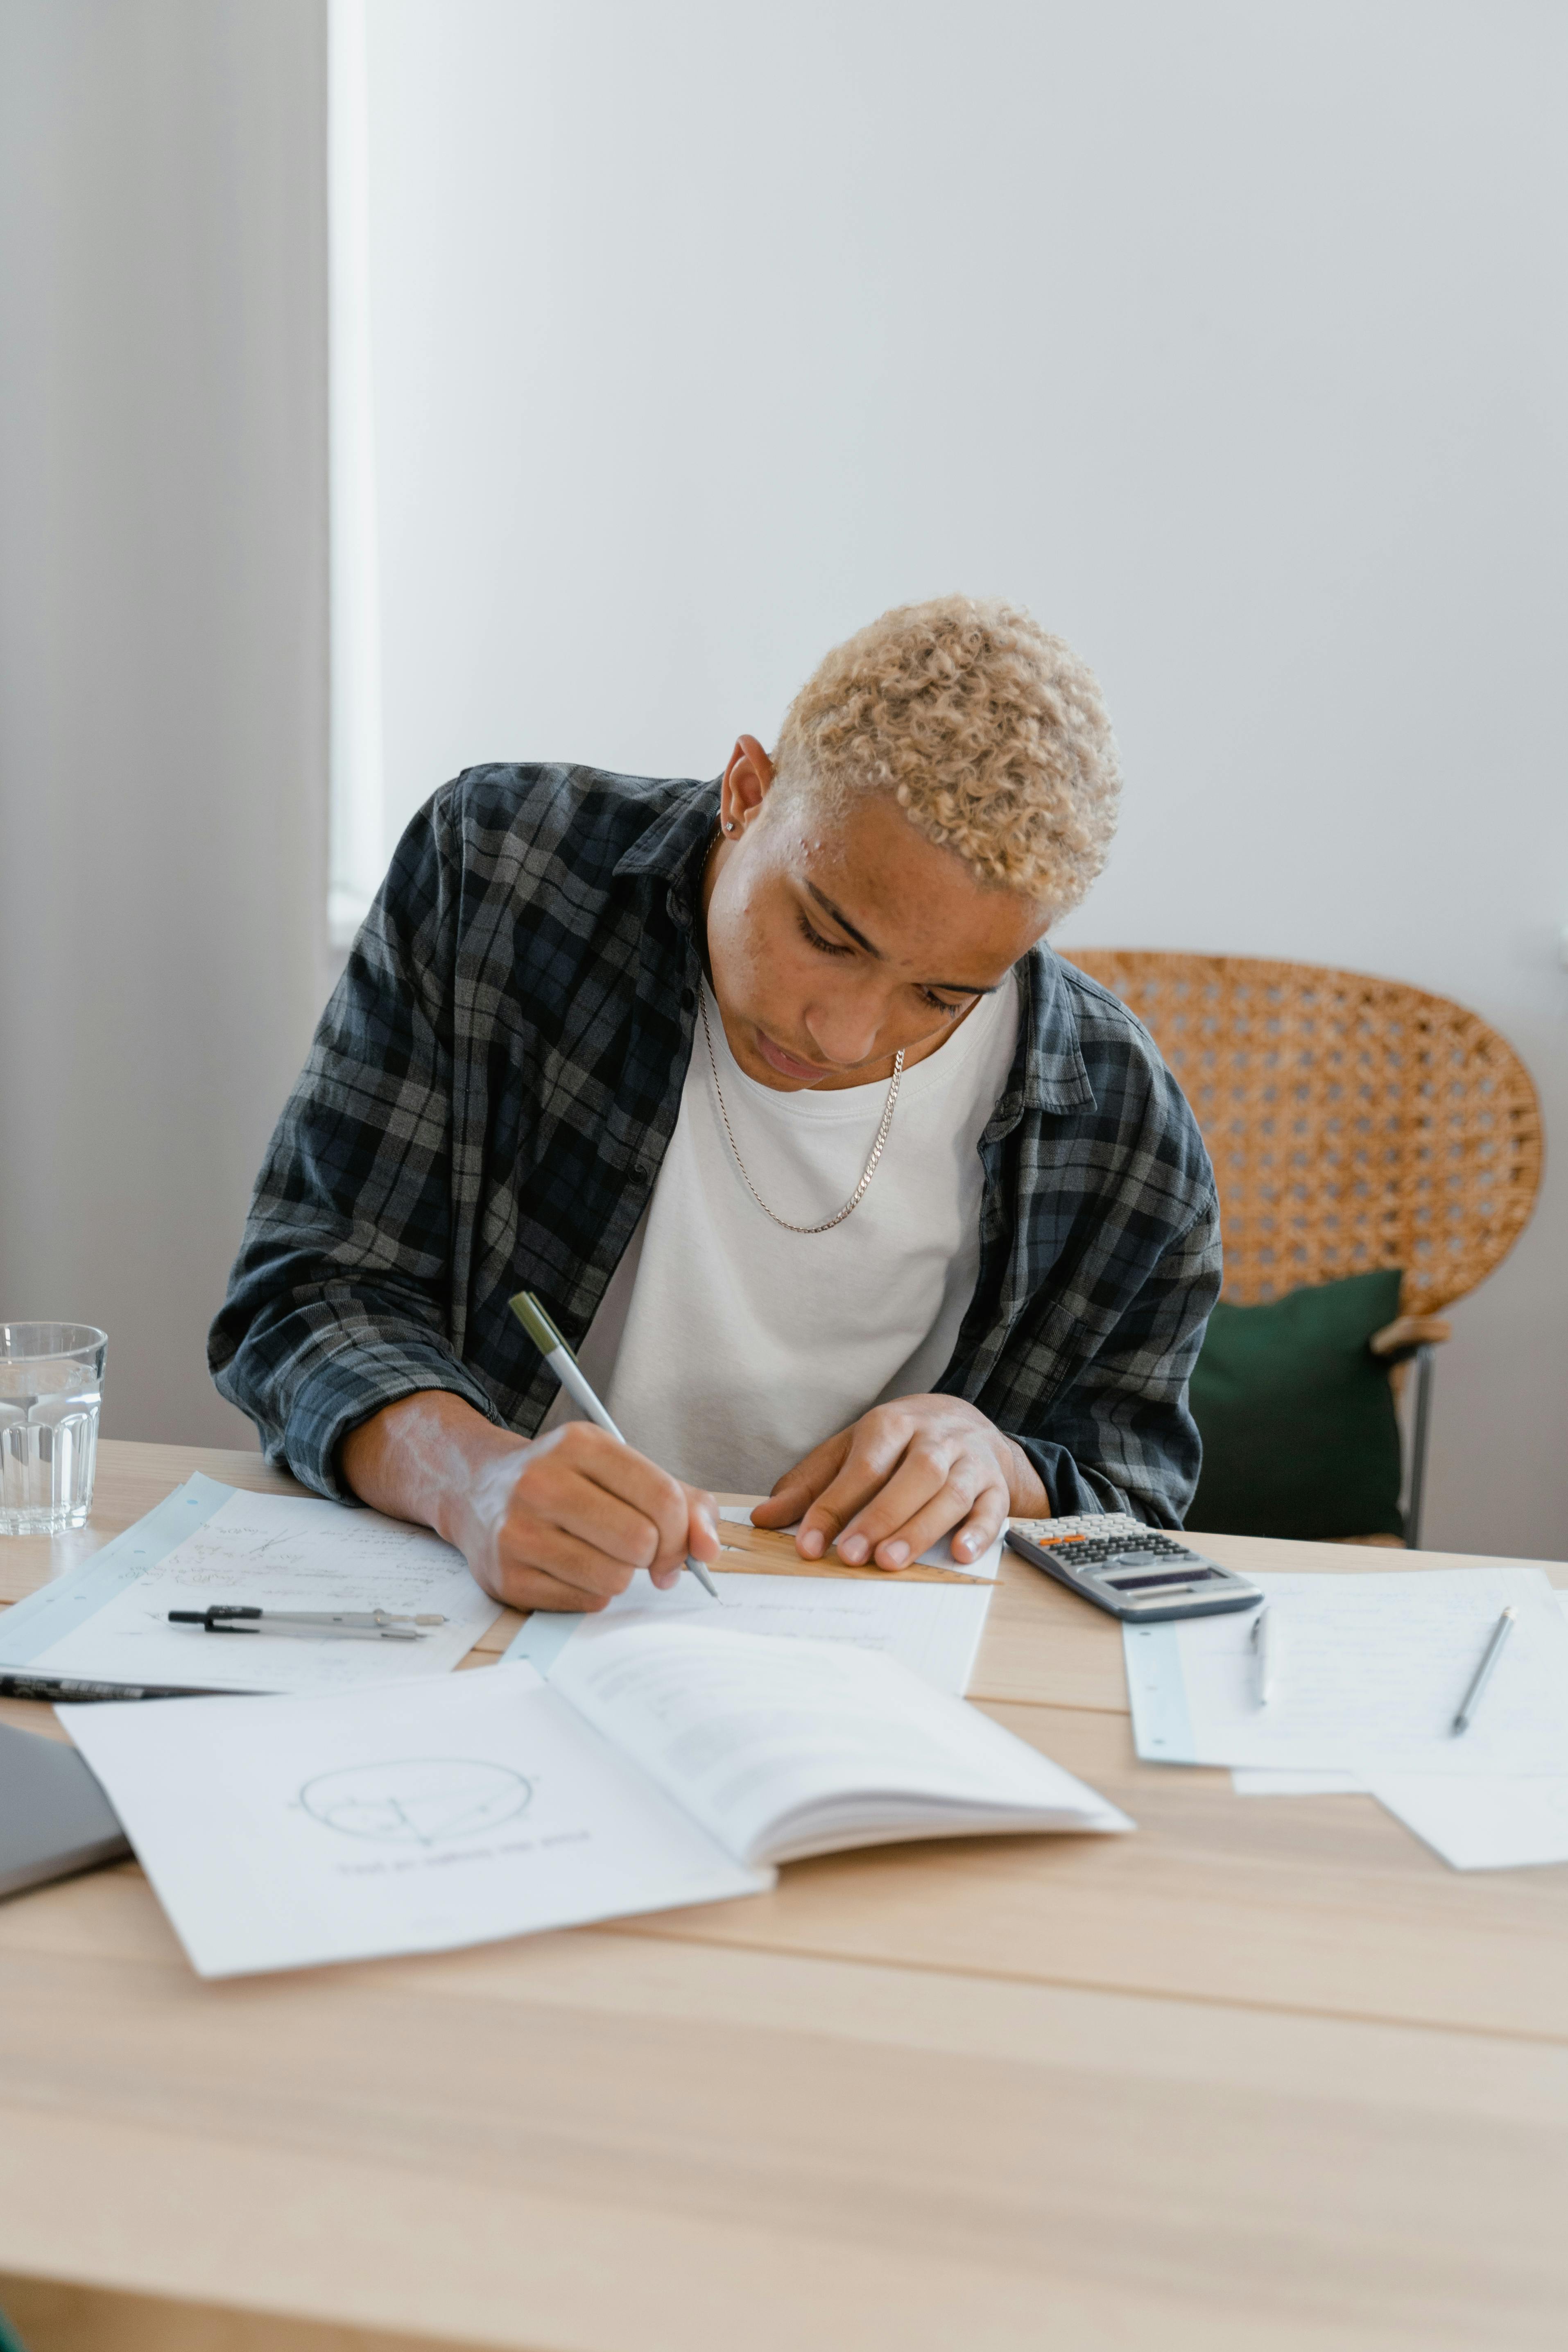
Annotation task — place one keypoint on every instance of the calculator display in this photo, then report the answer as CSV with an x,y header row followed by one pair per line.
x,y
1193,1575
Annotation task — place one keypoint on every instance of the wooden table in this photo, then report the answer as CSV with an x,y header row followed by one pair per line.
x,y
1267,2074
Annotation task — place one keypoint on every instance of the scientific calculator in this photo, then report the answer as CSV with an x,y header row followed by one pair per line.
x,y
1130,1570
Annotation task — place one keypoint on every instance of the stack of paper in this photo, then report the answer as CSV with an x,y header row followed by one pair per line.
x,y
1369,1673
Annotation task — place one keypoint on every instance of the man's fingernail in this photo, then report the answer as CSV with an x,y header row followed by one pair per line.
x,y
852,1549
895,1554
812,1543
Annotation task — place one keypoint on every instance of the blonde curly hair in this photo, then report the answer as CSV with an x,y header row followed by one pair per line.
x,y
991,735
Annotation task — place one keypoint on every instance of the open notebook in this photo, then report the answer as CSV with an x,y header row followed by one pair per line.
x,y
783,1748
662,1766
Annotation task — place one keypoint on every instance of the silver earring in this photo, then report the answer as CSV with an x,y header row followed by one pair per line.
x,y
729,828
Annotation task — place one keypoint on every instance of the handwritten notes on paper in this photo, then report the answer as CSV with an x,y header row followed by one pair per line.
x,y
933,1629
273,1551
1369,1671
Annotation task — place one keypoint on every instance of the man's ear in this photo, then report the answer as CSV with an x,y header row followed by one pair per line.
x,y
748,779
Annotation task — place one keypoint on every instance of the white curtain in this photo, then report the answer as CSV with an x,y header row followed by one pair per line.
x,y
163,657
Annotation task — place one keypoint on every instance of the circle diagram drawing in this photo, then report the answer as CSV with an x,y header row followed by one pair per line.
x,y
427,1800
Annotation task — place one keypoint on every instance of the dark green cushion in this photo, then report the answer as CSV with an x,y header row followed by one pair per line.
x,y
1297,1416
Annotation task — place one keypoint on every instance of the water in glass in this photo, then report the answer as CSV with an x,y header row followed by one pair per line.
x,y
51,1386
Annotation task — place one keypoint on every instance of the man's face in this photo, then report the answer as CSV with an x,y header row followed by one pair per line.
x,y
833,943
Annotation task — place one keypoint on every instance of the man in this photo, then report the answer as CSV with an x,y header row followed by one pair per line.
x,y
841,1183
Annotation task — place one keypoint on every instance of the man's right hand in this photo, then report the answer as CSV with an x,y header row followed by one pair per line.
x,y
562,1523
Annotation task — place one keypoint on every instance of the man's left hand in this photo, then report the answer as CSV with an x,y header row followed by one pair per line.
x,y
903,1477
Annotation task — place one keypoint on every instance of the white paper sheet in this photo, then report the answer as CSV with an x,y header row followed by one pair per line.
x,y
288,1832
933,1629
273,1551
1247,1783
989,1564
1500,1821
1369,1671
1503,1822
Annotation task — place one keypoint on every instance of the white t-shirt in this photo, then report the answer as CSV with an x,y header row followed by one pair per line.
x,y
725,1347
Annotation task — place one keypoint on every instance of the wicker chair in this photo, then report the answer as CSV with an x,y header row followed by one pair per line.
x,y
1353,1123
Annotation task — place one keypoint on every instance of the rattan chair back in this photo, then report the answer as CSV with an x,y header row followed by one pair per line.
x,y
1352,1122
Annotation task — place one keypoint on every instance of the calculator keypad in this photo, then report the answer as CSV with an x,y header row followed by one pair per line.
x,y
1087,1542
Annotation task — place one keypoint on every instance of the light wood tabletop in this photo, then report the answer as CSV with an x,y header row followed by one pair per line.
x,y
1265,2074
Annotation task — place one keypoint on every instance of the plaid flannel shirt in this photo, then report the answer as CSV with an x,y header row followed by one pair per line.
x,y
493,1086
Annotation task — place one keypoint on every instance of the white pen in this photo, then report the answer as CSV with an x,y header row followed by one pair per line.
x,y
361,1625
1264,1646
1483,1672
569,1373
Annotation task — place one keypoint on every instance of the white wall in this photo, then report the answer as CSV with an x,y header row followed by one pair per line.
x,y
163,657
1228,336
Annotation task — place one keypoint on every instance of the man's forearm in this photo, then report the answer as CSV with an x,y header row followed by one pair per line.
x,y
559,1522
424,1458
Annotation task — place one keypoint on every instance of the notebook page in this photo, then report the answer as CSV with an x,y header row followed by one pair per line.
x,y
749,1734
288,1832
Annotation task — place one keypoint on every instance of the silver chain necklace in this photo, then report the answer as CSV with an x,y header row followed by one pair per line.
x,y
857,1195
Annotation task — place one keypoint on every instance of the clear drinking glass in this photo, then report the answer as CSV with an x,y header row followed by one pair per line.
x,y
51,1386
